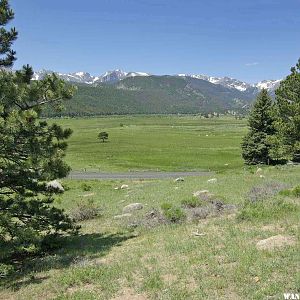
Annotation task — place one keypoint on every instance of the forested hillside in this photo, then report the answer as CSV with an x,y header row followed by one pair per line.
x,y
154,95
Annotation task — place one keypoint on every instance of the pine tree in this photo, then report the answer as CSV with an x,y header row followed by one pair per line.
x,y
7,55
288,106
31,154
256,146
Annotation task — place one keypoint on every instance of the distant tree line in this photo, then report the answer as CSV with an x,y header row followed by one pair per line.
x,y
274,135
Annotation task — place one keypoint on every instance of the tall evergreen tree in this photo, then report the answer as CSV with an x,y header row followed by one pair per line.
x,y
31,154
256,146
288,106
7,55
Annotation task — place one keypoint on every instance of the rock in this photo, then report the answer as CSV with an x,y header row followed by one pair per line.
x,y
132,207
118,217
88,195
230,208
212,180
276,241
199,193
259,170
226,165
116,188
179,179
261,176
124,187
55,185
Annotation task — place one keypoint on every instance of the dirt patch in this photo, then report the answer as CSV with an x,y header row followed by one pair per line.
x,y
130,294
191,285
87,287
276,242
169,278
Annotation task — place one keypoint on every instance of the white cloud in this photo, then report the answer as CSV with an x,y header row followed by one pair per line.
x,y
251,64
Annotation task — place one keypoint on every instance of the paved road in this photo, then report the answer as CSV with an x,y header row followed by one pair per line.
x,y
134,175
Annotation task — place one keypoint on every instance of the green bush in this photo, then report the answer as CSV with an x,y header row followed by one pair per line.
x,y
85,211
172,213
266,210
5,270
296,191
191,202
85,187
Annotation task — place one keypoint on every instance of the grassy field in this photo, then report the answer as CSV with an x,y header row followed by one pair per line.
x,y
111,260
166,143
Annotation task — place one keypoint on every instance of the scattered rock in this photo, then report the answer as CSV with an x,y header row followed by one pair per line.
x,y
154,218
197,233
55,185
212,180
199,193
132,207
124,187
229,208
276,241
179,179
118,217
88,195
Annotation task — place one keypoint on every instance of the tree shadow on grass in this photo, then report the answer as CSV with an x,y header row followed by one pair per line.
x,y
79,251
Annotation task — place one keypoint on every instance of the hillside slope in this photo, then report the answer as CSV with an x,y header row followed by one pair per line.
x,y
154,95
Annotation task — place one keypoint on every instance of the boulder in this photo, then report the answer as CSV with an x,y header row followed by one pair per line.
x,y
199,193
123,216
179,179
259,170
55,186
212,180
132,207
276,241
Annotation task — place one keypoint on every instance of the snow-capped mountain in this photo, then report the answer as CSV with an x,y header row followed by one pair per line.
x,y
87,78
268,84
232,83
117,75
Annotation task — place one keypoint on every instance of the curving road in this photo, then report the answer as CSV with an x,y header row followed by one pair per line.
x,y
134,175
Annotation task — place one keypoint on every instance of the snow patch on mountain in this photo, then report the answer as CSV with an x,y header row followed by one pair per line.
x,y
118,75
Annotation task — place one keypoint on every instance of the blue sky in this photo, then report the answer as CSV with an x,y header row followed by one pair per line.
x,y
248,40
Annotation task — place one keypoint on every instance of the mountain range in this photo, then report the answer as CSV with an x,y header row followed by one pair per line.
x,y
119,92
118,75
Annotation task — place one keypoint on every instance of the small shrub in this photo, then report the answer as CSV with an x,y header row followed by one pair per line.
x,y
296,191
166,206
267,190
86,187
191,202
172,213
5,270
85,211
265,210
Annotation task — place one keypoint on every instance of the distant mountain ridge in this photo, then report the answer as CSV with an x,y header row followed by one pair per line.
x,y
119,75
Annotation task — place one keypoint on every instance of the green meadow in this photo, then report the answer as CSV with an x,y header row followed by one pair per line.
x,y
164,143
215,257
